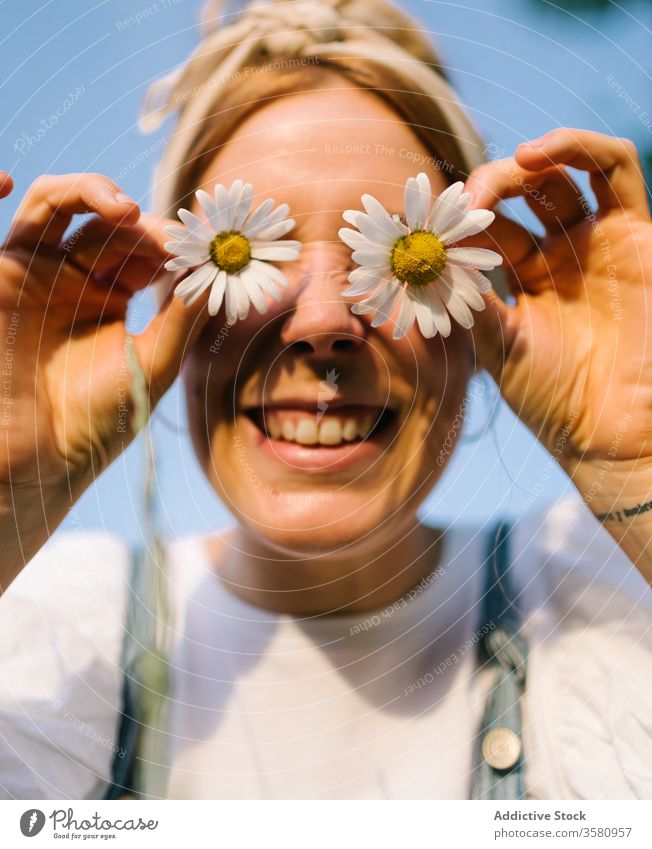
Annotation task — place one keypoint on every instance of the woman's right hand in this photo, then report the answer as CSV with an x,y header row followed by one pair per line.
x,y
66,409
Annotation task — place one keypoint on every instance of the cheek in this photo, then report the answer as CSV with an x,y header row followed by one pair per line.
x,y
443,374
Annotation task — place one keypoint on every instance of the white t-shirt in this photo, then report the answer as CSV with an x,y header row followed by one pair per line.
x,y
381,704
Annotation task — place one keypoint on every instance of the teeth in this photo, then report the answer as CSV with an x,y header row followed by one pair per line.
x,y
274,427
306,432
350,430
331,430
288,430
364,427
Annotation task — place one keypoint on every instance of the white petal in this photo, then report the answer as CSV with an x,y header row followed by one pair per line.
x,y
417,200
187,248
180,262
255,227
196,226
383,270
237,302
465,284
472,222
448,209
191,297
365,282
224,209
371,230
244,205
371,304
425,320
405,318
258,215
429,299
381,218
208,205
277,251
243,297
227,203
454,303
187,238
234,193
199,279
381,302
217,293
481,258
358,242
271,272
177,231
275,231
250,281
386,303
370,257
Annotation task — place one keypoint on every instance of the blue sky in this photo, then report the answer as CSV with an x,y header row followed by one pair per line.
x,y
521,66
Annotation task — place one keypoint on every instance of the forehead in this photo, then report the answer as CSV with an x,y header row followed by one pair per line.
x,y
322,149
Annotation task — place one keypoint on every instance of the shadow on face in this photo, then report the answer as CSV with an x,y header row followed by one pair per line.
x,y
265,394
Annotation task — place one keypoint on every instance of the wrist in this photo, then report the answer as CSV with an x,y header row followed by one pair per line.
x,y
620,497
615,491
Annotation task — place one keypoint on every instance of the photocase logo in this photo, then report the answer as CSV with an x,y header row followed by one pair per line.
x,y
326,392
32,822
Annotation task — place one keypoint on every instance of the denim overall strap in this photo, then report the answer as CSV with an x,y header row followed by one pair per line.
x,y
498,758
122,768
139,762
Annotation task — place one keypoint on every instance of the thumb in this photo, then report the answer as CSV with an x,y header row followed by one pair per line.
x,y
493,333
164,344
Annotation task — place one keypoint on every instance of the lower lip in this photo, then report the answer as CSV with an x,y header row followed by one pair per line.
x,y
318,458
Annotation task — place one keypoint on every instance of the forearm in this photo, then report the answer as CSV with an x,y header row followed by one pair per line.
x,y
28,517
620,497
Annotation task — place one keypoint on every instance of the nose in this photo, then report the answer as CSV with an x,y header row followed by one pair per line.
x,y
320,322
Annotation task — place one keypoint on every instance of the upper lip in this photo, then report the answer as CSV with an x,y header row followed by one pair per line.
x,y
313,404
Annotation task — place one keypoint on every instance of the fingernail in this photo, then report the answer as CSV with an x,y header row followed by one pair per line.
x,y
121,197
535,143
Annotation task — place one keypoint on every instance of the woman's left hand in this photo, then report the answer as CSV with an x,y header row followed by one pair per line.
x,y
573,356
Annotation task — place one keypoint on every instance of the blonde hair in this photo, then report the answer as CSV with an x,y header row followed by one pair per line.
x,y
272,49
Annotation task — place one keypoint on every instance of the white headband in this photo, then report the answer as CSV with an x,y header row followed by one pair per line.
x,y
289,29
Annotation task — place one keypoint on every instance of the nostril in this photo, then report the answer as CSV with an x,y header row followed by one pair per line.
x,y
342,345
301,347
337,346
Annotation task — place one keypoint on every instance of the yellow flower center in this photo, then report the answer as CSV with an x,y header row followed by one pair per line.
x,y
418,258
230,251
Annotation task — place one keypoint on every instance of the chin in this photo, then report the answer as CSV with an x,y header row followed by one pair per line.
x,y
319,522
309,513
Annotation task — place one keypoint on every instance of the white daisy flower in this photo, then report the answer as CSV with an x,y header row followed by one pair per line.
x,y
233,249
414,262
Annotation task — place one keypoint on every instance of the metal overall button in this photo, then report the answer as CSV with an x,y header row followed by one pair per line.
x,y
501,748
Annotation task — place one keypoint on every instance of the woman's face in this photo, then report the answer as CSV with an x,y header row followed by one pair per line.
x,y
310,366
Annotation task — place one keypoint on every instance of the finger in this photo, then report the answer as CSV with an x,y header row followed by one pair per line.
x,y
558,203
613,163
6,184
551,193
164,344
50,203
69,295
509,238
99,246
131,275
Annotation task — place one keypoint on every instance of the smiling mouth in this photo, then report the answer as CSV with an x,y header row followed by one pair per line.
x,y
330,428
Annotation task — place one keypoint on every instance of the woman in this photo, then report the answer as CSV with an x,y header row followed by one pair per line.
x,y
326,646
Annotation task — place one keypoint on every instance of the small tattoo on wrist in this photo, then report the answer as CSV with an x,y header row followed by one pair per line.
x,y
624,512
